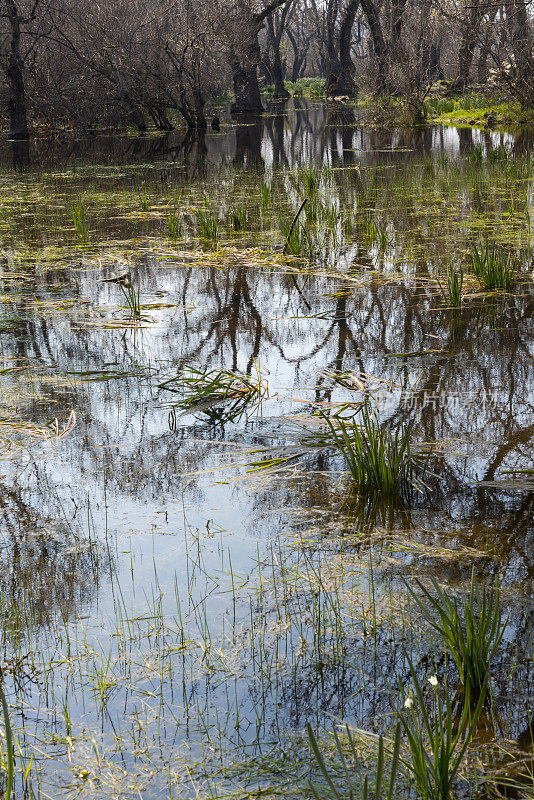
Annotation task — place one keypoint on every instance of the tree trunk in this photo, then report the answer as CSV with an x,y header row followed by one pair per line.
x,y
468,45
379,45
18,118
522,45
345,85
482,65
280,91
397,19
299,59
245,62
332,60
246,90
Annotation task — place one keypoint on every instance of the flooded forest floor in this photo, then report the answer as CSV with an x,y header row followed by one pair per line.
x,y
267,478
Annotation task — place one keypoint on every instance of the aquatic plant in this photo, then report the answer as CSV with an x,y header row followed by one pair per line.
x,y
79,219
131,294
437,743
174,224
378,234
476,155
452,292
143,200
309,178
297,236
353,782
377,457
492,266
500,153
208,224
472,633
238,217
265,195
9,768
202,389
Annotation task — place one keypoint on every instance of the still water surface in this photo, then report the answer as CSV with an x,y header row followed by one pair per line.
x,y
168,608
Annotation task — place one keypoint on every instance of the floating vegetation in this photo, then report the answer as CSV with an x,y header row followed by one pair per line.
x,y
492,266
204,390
378,458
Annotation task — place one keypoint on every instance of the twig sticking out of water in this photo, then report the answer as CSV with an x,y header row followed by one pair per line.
x,y
295,220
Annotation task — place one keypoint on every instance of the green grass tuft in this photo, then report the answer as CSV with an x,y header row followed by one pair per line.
x,y
378,458
472,633
492,266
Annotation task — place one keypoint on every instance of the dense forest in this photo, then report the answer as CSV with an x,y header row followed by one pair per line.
x,y
152,62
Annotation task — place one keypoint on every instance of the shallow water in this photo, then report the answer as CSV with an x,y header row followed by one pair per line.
x,y
168,609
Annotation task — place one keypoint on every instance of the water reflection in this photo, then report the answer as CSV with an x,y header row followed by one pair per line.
x,y
302,132
165,515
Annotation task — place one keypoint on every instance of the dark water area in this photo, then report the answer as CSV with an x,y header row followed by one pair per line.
x,y
173,614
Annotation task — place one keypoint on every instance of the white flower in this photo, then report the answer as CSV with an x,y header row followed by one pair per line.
x,y
433,681
408,703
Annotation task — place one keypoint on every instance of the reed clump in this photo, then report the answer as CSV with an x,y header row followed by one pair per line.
x,y
492,266
238,218
78,216
208,224
453,290
378,457
354,782
437,740
472,631
174,224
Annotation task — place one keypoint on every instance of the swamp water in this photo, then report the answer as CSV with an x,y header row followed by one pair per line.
x,y
186,584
